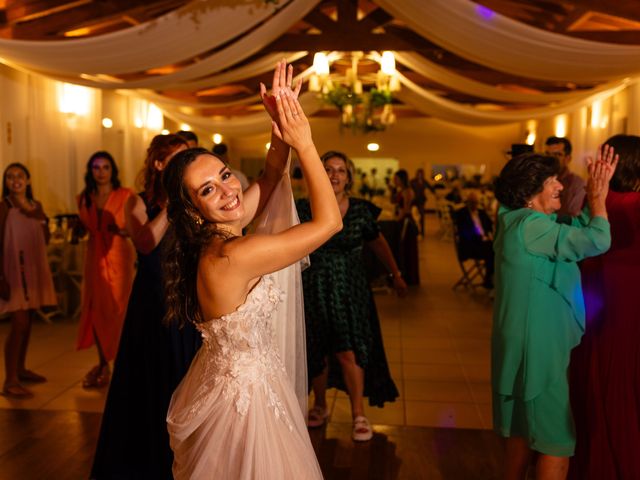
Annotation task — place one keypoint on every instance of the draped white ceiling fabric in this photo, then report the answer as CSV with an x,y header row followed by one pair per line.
x,y
439,107
218,61
202,27
241,125
262,65
486,37
195,28
444,76
161,100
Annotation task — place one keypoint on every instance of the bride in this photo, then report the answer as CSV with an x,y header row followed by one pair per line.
x,y
235,415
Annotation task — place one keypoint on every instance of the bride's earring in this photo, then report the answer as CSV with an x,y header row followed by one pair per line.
x,y
529,204
197,219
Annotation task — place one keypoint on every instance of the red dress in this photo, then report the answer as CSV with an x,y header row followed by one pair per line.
x,y
605,367
108,274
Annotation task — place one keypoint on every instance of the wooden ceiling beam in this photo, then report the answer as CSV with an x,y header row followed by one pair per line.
x,y
575,15
626,37
320,21
57,23
348,15
92,16
620,8
374,19
347,41
25,11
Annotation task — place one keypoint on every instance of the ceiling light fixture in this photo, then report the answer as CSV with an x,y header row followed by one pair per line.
x,y
364,101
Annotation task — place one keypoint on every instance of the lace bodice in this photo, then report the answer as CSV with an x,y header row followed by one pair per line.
x,y
239,352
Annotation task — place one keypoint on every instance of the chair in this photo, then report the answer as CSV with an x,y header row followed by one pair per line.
x,y
65,253
444,215
473,269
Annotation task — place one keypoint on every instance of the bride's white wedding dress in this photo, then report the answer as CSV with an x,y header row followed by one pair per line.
x,y
235,415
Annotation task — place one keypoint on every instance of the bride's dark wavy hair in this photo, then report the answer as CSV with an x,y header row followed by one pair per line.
x,y
187,237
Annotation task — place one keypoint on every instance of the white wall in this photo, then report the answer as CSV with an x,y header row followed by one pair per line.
x,y
55,146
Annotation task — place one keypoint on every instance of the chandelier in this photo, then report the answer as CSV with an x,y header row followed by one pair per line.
x,y
364,101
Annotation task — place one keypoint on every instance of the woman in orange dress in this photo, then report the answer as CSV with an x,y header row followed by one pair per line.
x,y
109,264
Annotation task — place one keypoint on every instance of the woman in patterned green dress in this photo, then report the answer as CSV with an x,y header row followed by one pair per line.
x,y
344,343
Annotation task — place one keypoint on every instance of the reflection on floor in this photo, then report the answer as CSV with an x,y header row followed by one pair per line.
x,y
437,343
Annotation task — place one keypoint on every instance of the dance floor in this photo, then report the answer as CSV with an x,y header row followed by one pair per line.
x,y
437,343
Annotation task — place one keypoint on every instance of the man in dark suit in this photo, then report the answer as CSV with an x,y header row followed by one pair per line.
x,y
475,231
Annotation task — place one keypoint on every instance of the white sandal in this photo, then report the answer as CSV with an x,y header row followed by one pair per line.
x,y
362,431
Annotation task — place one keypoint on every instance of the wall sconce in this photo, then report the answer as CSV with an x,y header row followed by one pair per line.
x,y
107,122
217,138
74,99
155,118
185,127
165,132
531,138
532,126
560,127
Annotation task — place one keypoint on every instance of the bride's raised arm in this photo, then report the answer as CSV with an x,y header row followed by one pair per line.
x,y
257,195
256,255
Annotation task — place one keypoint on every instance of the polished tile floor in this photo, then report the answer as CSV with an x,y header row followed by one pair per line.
x,y
437,343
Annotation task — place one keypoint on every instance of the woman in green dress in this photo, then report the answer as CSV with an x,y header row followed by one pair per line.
x,y
344,343
539,308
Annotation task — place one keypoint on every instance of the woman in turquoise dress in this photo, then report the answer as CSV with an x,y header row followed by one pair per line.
x,y
344,342
539,309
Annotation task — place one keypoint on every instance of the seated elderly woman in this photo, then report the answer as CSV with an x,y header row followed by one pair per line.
x,y
539,309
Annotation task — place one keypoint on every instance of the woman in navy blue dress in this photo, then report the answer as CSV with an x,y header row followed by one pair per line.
x,y
152,357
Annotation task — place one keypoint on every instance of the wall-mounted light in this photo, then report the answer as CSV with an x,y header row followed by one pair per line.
x,y
107,122
74,99
185,126
532,127
531,138
155,118
138,123
560,127
165,132
373,147
217,138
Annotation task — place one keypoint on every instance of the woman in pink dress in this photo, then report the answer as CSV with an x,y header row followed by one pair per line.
x,y
109,264
605,367
25,280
